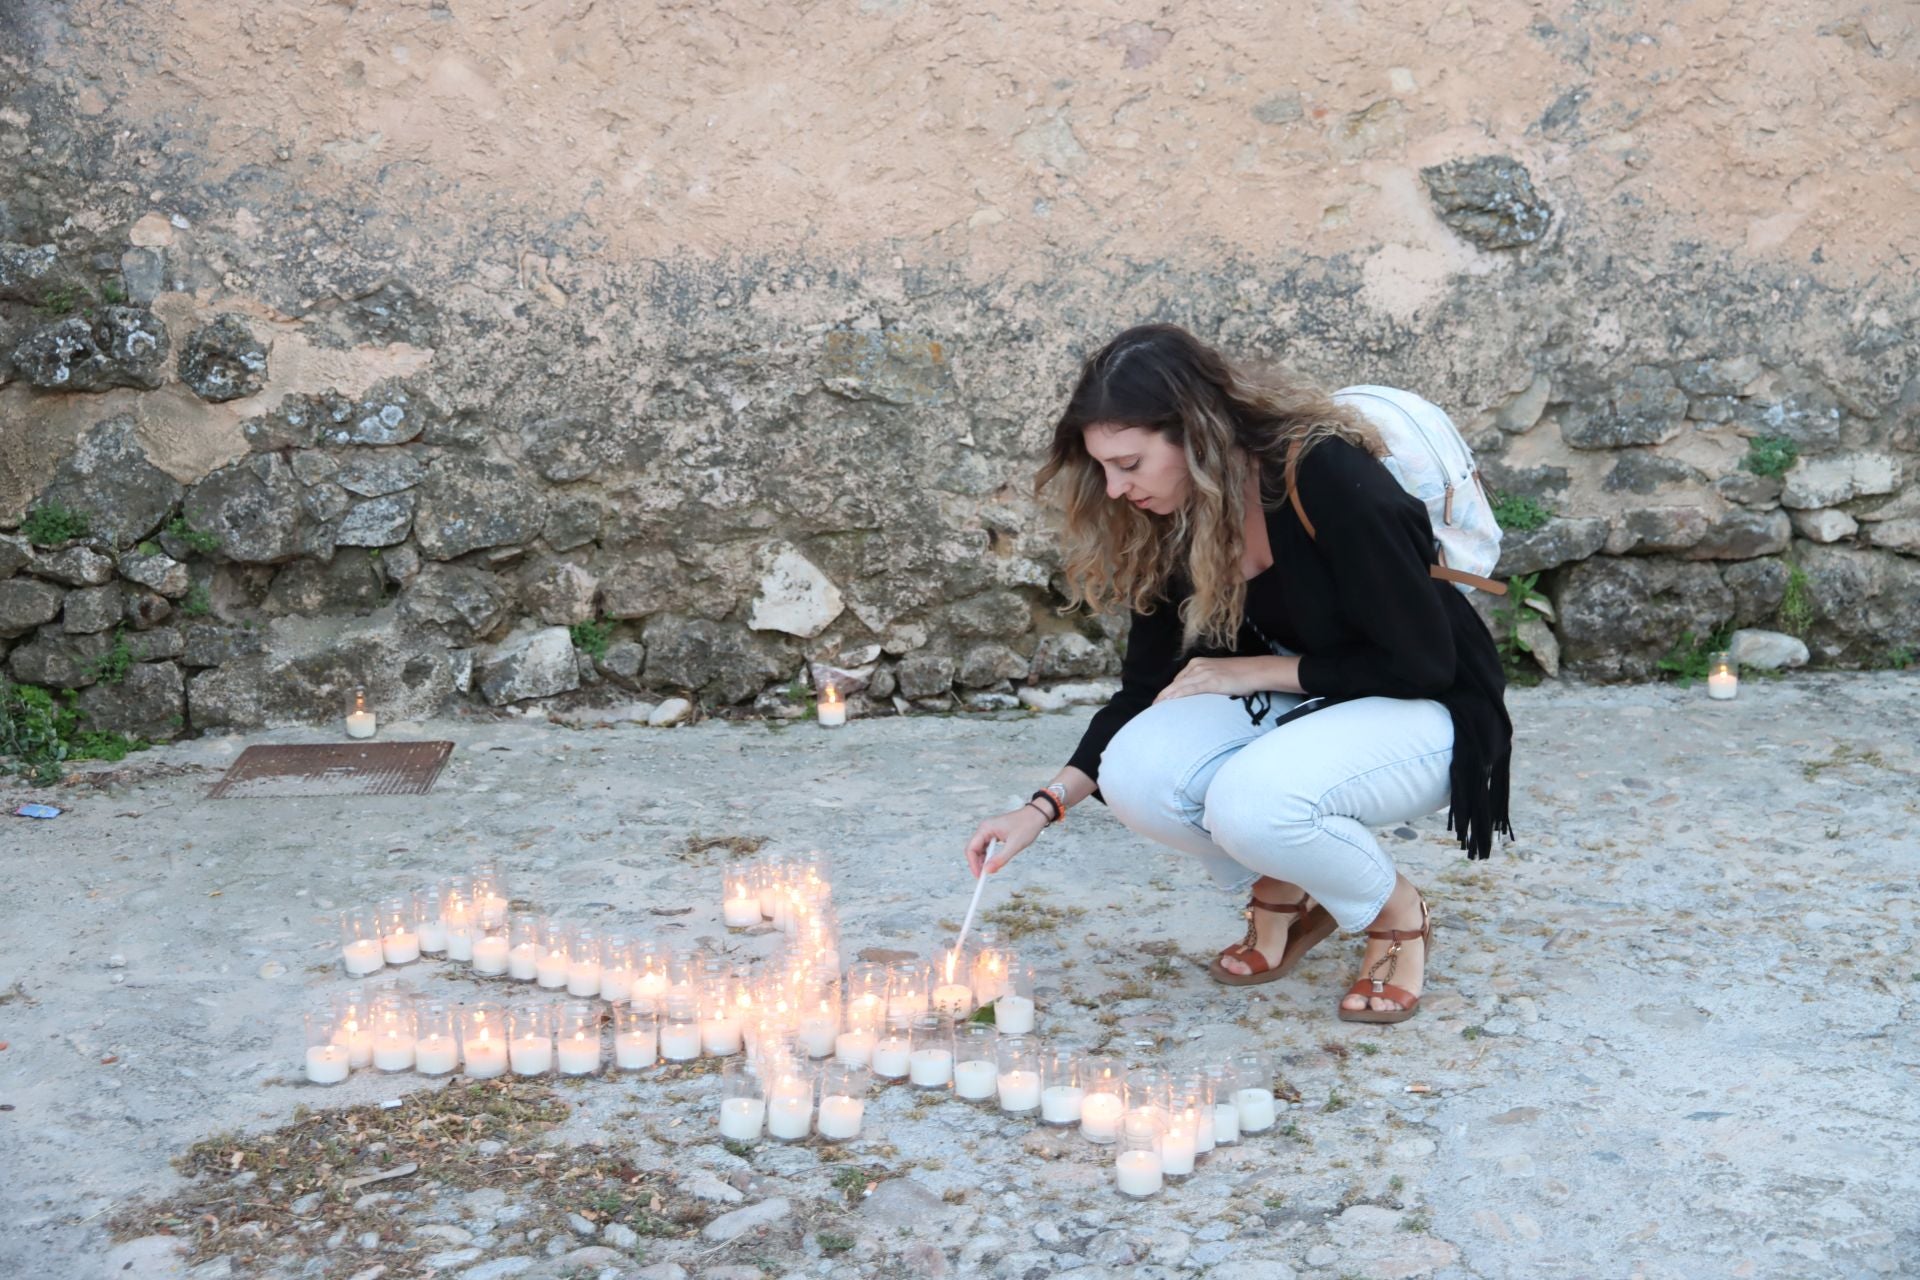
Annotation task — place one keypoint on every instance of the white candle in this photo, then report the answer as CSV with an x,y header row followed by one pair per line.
x,y
460,945
492,908
892,1058
523,962
635,1049
954,998
975,1081
486,1057
648,985
327,1063
680,1042
1019,1090
530,1055
1226,1122
1176,1150
1256,1109
789,1116
1722,685
436,1055
906,1005
361,724
433,936
1013,1015
741,1118
401,948
931,1068
579,1055
490,956
363,956
550,970
854,1046
583,978
741,913
1100,1117
818,1034
840,1116
832,708
720,1036
1137,1173
615,985
1060,1103
358,1041
1203,1131
393,1051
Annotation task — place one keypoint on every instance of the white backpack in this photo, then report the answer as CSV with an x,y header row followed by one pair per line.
x,y
1427,456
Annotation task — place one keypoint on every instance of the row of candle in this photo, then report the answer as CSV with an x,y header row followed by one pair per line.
x,y
441,920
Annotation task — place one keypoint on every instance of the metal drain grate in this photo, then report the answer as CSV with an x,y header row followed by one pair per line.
x,y
335,769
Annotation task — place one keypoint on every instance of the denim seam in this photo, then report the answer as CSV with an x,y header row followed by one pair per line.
x,y
1180,788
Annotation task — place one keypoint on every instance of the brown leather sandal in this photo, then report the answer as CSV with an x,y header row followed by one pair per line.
x,y
1371,986
1309,931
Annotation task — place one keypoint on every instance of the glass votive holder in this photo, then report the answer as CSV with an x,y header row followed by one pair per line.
x,y
931,1064
1253,1091
976,1062
721,1025
789,1104
616,968
394,1033
843,1100
1137,1171
578,1051
1222,1082
488,946
1105,1100
1177,1143
740,899
1015,1009
483,1040
990,966
893,1052
1019,1075
636,1035
743,1105
1723,677
360,948
1147,1090
952,985
361,720
1190,1097
462,927
323,1060
908,983
437,1050
1061,1092
526,941
854,1046
530,1050
680,1029
399,930
769,881
433,929
818,1021
583,961
353,1026
490,897
550,965
650,980
866,993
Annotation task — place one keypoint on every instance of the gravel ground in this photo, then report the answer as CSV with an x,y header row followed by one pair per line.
x,y
1669,1031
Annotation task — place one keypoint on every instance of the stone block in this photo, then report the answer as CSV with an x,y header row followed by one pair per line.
x,y
469,504
1644,408
1744,535
1068,654
925,675
115,347
251,508
26,603
794,596
1657,529
461,603
1489,200
1617,617
378,522
989,664
529,664
150,702
157,571
303,665
559,593
73,566
1902,536
375,473
58,660
991,615
92,609
1825,525
1750,490
721,661
1559,541
222,360
1768,650
1831,480
109,476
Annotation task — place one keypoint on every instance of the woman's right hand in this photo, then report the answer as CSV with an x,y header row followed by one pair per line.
x,y
1015,830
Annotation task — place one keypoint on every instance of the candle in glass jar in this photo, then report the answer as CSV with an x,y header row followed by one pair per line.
x,y
1060,1104
550,969
1137,1173
393,1050
400,947
361,722
460,944
523,962
1256,1109
742,912
1177,1149
1226,1121
583,977
955,998
327,1063
530,1055
1722,685
832,708
819,1034
892,1058
433,935
435,1055
789,1115
486,1055
679,1041
490,955
491,908
1013,1015
855,1046
977,1080
363,956
840,1117
741,1118
720,1036
357,1038
635,1049
1100,1116
930,1068
579,1054
1019,1091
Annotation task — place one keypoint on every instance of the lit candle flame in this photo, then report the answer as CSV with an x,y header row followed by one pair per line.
x,y
832,695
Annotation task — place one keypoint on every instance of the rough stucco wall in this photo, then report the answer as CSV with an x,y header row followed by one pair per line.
x,y
817,279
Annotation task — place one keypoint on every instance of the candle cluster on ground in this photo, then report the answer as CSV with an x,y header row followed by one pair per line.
x,y
805,1040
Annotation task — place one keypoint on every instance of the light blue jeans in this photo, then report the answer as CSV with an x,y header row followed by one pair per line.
x,y
1295,802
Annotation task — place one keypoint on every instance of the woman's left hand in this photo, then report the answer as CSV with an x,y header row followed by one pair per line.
x,y
1235,677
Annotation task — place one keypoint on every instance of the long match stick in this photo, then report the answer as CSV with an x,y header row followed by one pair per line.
x,y
978,885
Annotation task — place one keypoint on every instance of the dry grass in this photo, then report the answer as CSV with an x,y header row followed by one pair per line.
x,y
697,846
1024,914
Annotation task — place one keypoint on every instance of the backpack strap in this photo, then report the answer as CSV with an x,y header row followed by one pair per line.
x,y
1440,571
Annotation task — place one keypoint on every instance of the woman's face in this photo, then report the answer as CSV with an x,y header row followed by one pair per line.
x,y
1142,466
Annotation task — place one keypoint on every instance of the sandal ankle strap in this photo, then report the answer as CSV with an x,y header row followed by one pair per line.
x,y
1279,908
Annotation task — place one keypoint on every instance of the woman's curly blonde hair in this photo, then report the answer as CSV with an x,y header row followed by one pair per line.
x,y
1228,419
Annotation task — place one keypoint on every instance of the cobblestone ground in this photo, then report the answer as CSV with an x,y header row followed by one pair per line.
x,y
1670,1031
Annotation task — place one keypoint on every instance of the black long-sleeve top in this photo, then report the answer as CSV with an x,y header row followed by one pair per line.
x,y
1355,601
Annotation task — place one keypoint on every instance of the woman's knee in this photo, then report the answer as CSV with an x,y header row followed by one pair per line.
x,y
1247,807
1136,775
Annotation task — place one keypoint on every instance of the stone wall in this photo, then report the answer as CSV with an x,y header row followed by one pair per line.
x,y
731,338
